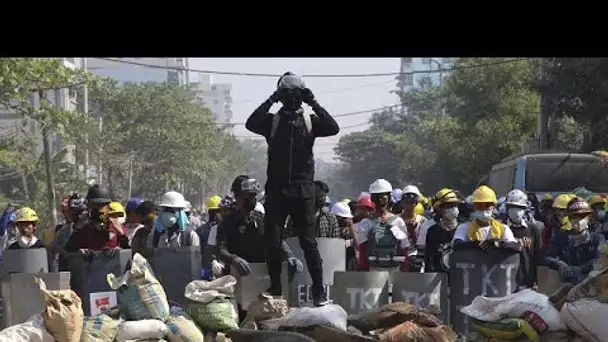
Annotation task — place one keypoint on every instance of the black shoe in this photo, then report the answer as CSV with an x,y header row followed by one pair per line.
x,y
321,300
271,293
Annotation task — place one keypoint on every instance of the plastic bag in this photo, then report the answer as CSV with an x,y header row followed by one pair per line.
x,y
139,293
512,329
63,315
147,329
181,328
530,305
100,328
207,302
32,330
587,318
332,315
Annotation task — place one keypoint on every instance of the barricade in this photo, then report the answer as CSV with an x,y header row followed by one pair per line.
x,y
31,260
21,295
475,273
249,287
360,291
548,280
89,275
300,291
175,268
422,290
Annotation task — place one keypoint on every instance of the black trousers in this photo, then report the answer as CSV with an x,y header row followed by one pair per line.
x,y
302,211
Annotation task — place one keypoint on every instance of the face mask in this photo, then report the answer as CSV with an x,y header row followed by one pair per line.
x,y
483,215
122,220
95,214
25,242
450,214
249,203
168,219
516,214
580,225
600,214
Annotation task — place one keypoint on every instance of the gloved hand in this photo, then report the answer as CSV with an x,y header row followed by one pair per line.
x,y
296,263
87,254
217,268
276,96
111,252
486,245
242,266
307,96
565,271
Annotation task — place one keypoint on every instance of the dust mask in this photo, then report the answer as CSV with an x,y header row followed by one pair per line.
x,y
516,214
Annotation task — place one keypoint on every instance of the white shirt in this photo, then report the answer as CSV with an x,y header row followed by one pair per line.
x,y
398,229
462,233
424,229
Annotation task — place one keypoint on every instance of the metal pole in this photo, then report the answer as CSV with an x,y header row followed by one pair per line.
x,y
543,119
85,110
130,177
100,161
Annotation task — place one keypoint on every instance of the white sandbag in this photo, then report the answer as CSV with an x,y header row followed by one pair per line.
x,y
32,330
146,329
331,315
530,305
587,318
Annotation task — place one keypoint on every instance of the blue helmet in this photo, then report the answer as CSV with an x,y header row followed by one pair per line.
x,y
133,203
396,195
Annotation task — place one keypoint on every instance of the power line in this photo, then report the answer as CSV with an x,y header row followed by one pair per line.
x,y
236,73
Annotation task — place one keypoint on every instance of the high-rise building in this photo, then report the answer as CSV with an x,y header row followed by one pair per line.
x,y
423,67
215,96
174,69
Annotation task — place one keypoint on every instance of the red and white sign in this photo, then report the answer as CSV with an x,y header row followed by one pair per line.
x,y
101,301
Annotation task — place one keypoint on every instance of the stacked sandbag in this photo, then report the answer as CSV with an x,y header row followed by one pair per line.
x,y
525,315
62,314
264,308
32,330
100,328
209,303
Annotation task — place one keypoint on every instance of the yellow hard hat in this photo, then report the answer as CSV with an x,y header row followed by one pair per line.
x,y
547,197
484,194
116,208
445,195
346,200
419,209
26,215
561,201
214,202
424,200
596,199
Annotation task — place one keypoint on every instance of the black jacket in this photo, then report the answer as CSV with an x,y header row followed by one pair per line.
x,y
290,155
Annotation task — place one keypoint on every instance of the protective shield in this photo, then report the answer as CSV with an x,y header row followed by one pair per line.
x,y
476,273
548,280
249,287
31,260
90,275
299,293
175,268
360,291
21,295
422,290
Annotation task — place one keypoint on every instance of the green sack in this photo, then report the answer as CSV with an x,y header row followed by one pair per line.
x,y
216,315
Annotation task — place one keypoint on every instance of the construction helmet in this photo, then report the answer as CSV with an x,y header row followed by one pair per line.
x,y
445,195
396,195
547,197
133,203
561,201
419,209
517,198
597,199
484,194
213,202
380,186
26,215
172,199
412,189
346,200
116,208
366,202
98,195
578,206
341,209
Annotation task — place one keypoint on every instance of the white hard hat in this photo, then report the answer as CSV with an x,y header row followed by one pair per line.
x,y
341,209
188,207
380,186
173,199
517,198
412,189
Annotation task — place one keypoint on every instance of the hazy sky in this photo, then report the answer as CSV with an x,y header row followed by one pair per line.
x,y
337,95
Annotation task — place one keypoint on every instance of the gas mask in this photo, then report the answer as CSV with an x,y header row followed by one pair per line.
x,y
290,87
380,200
249,202
250,188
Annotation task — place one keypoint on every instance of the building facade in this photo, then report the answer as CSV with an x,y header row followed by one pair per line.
x,y
420,68
215,96
174,69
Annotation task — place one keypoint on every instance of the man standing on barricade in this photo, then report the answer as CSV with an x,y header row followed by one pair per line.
x,y
99,232
290,135
572,254
527,233
484,231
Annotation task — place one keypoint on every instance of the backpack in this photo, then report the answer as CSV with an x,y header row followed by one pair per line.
x,y
383,246
277,117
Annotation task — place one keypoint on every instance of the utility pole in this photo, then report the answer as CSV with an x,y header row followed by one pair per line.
x,y
85,110
543,118
130,177
46,144
100,161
